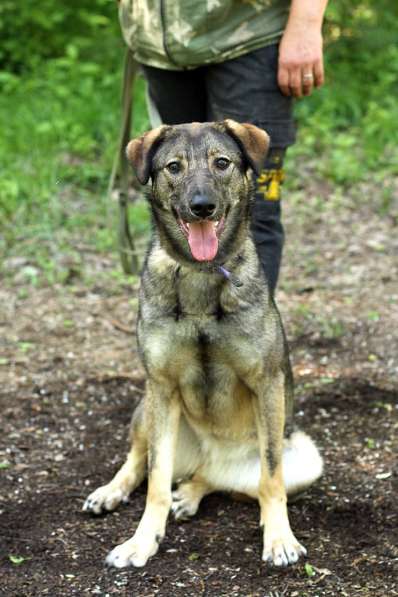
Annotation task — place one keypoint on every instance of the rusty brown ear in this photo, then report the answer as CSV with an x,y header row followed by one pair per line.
x,y
140,152
253,142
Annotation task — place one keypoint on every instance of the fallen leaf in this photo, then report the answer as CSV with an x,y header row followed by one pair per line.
x,y
309,570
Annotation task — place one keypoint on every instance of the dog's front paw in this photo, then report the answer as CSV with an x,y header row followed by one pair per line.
x,y
106,498
282,551
134,552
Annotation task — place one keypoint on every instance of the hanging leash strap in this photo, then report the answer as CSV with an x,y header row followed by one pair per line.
x,y
120,170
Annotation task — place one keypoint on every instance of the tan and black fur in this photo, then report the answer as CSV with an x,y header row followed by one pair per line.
x,y
219,384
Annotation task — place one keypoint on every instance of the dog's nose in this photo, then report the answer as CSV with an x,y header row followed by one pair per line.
x,y
202,206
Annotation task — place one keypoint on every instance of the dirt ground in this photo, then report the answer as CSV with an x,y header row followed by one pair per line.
x,y
70,378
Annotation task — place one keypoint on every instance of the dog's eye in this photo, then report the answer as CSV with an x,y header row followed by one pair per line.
x,y
222,163
174,167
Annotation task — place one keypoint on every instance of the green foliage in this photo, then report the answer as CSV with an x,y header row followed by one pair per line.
x,y
34,31
349,122
60,115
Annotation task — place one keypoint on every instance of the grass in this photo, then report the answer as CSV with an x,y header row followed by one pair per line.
x,y
56,155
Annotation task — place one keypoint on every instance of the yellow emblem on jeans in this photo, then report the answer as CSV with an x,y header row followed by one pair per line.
x,y
269,183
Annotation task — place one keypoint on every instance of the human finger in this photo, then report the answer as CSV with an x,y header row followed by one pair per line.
x,y
295,82
307,79
319,77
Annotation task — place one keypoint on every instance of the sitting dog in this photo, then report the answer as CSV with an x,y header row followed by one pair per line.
x,y
219,383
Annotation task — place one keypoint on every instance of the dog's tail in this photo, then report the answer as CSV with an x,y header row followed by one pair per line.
x,y
302,463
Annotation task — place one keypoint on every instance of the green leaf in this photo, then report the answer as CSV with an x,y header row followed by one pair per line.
x,y
373,316
17,560
193,556
309,570
4,465
25,346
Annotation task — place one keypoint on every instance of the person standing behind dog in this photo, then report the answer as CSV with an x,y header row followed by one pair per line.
x,y
244,60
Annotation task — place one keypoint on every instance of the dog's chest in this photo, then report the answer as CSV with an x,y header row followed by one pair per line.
x,y
210,378
197,338
198,295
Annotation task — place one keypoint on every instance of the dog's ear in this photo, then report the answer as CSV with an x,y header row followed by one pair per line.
x,y
253,142
140,152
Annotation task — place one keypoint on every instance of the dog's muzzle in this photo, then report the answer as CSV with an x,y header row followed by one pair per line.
x,y
202,206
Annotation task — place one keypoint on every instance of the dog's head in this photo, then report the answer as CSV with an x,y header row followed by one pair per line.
x,y
201,184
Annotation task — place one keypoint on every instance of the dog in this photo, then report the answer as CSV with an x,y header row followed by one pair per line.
x,y
219,383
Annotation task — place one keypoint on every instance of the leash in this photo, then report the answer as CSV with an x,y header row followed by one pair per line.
x,y
120,170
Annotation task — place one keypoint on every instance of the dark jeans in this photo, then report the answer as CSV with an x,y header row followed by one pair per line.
x,y
244,89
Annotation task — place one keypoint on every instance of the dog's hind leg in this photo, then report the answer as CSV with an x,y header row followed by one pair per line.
x,y
192,486
237,469
188,495
129,476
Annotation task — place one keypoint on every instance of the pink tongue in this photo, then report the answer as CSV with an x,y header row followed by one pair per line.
x,y
203,240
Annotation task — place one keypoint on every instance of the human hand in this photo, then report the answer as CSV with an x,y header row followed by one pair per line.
x,y
300,66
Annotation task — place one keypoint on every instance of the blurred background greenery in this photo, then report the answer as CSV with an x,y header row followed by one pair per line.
x,y
60,79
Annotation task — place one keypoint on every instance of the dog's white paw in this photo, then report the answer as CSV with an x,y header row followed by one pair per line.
x,y
283,551
134,552
184,504
106,498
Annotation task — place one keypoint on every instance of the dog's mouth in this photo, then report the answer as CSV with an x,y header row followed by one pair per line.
x,y
202,237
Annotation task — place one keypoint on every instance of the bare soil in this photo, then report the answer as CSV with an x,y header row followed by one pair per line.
x,y
70,378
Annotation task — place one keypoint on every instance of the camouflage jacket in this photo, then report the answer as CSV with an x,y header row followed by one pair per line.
x,y
176,35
